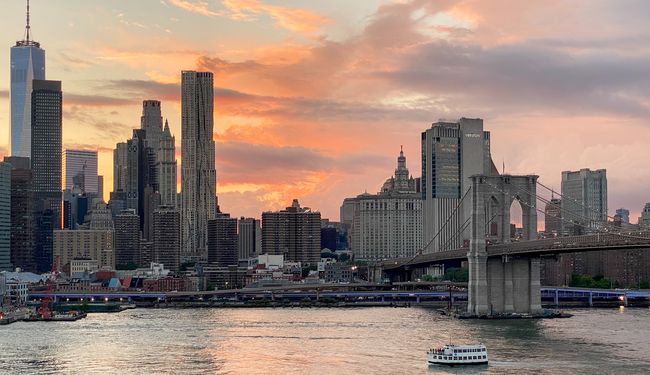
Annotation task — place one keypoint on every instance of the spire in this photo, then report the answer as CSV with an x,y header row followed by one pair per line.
x,y
27,40
27,24
166,130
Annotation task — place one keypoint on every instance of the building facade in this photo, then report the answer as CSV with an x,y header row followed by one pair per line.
x,y
46,163
127,239
293,232
223,241
166,167
644,219
451,153
27,64
584,200
5,216
81,165
553,217
388,224
198,175
167,237
250,238
22,214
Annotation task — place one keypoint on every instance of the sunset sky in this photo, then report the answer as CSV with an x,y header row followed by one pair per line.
x,y
314,98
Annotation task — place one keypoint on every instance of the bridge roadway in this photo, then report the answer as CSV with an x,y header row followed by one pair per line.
x,y
547,293
548,246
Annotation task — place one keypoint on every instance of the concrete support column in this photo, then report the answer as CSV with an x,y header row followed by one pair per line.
x,y
535,292
625,299
591,299
557,298
508,291
417,299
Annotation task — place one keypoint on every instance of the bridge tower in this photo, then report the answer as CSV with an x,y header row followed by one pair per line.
x,y
508,284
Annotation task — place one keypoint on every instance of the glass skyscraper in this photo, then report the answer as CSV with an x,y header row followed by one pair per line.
x,y
27,64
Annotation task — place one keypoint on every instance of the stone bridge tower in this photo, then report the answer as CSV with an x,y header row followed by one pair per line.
x,y
506,284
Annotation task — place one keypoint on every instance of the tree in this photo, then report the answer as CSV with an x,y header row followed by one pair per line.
x,y
344,257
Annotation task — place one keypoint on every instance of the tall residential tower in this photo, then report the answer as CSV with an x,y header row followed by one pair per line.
x,y
198,175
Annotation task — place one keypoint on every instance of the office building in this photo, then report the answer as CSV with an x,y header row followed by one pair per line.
x,y
388,224
46,142
167,237
249,238
95,240
553,217
293,232
5,216
22,214
151,122
27,64
46,164
452,151
81,165
127,239
198,175
222,241
644,219
584,200
623,214
166,167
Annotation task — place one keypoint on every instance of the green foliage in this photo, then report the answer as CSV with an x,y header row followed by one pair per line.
x,y
328,255
128,266
305,270
187,265
586,281
428,278
456,274
644,285
344,258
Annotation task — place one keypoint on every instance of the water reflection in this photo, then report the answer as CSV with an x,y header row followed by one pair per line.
x,y
322,341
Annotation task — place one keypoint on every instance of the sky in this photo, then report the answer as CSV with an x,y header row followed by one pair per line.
x,y
314,98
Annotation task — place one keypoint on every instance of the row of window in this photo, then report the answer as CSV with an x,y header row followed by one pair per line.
x,y
465,358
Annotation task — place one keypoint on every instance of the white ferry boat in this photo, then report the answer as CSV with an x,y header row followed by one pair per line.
x,y
458,355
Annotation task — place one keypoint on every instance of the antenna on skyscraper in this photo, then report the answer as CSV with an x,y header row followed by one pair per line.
x,y
27,25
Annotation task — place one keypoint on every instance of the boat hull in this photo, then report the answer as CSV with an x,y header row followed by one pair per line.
x,y
450,364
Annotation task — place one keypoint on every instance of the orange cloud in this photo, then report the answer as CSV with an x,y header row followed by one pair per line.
x,y
298,20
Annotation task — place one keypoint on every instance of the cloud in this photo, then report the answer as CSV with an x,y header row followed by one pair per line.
x,y
293,19
95,100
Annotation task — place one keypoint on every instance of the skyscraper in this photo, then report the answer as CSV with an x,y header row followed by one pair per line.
x,y
293,232
644,219
22,214
249,237
5,216
198,175
167,237
166,167
584,200
27,65
451,153
553,217
46,140
151,122
46,106
83,165
127,238
222,241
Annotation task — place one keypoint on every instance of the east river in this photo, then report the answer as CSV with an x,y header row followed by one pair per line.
x,y
322,341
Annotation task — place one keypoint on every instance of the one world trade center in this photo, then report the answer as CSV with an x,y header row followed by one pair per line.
x,y
27,64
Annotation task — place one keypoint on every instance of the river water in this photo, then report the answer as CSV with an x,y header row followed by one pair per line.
x,y
322,341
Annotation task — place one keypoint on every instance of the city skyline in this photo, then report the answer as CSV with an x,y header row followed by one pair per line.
x,y
281,88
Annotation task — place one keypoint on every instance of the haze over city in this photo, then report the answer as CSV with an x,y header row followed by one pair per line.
x,y
313,99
